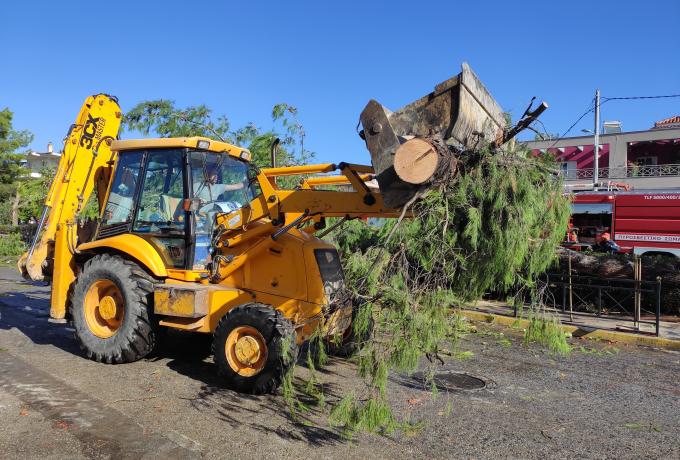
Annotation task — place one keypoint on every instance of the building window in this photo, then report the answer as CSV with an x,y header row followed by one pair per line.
x,y
568,169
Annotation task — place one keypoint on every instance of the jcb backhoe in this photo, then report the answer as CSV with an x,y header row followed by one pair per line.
x,y
194,237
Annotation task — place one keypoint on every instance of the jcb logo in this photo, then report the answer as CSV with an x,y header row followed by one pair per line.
x,y
89,131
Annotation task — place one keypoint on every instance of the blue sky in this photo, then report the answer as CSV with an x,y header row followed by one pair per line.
x,y
329,58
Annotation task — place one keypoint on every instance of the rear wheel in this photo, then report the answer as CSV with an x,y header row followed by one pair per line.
x,y
253,347
112,310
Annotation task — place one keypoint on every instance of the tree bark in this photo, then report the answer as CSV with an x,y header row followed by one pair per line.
x,y
15,209
621,265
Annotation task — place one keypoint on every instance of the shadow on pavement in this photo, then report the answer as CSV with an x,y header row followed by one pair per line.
x,y
28,310
25,306
187,355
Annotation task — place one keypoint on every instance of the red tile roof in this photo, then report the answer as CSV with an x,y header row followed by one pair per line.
x,y
668,121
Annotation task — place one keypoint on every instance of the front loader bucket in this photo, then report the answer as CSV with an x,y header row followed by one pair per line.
x,y
460,111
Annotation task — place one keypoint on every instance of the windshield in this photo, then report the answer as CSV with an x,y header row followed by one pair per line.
x,y
220,183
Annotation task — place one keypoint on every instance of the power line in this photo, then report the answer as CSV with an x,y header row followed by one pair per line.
x,y
607,99
590,109
639,97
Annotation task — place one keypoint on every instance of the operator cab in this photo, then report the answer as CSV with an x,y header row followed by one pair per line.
x,y
168,191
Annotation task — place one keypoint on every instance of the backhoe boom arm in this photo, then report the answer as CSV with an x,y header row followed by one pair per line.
x,y
85,160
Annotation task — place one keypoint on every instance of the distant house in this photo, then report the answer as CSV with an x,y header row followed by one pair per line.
x,y
37,162
641,159
672,122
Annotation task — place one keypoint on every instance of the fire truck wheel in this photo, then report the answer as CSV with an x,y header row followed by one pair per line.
x,y
112,310
350,341
253,347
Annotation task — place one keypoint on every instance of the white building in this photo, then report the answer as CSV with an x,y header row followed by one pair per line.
x,y
641,159
36,162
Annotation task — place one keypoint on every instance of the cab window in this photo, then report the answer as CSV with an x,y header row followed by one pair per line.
x,y
160,215
120,205
160,203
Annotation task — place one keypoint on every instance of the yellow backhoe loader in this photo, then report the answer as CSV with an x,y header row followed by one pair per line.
x,y
192,236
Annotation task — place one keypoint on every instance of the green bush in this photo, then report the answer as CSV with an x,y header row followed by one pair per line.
x,y
11,245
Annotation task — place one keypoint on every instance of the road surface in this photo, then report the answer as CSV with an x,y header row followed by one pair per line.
x,y
605,400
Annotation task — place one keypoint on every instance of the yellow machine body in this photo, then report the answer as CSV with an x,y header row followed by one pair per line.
x,y
282,272
266,250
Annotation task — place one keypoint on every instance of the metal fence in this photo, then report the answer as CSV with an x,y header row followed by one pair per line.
x,y
580,293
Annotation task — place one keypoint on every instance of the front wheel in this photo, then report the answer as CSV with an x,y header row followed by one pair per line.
x,y
357,333
253,348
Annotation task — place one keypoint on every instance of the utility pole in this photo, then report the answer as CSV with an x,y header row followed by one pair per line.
x,y
596,151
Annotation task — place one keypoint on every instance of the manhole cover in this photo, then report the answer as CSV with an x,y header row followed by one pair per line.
x,y
451,381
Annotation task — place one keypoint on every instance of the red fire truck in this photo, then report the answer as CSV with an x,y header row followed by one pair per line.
x,y
642,221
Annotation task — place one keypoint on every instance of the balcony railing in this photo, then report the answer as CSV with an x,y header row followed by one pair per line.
x,y
625,172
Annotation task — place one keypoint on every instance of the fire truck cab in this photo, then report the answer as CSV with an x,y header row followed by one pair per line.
x,y
643,221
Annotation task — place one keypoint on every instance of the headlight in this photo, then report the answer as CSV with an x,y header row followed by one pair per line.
x,y
204,145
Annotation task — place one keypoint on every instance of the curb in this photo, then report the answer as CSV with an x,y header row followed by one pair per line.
x,y
579,331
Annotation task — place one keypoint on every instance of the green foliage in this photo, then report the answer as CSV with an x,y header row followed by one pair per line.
x,y
16,189
162,118
91,208
11,169
547,332
495,227
33,192
356,235
11,140
373,415
11,245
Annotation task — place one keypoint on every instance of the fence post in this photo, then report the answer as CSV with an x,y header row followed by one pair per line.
x,y
599,301
658,304
571,294
637,269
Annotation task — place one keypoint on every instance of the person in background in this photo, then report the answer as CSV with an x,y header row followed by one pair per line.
x,y
572,236
605,244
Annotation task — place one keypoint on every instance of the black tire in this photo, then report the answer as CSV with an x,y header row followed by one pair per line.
x,y
136,335
277,332
350,342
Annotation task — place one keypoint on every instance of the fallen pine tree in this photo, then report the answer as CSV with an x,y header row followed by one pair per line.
x,y
492,226
596,263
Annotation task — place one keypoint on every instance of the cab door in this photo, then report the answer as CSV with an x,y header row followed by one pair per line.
x,y
160,217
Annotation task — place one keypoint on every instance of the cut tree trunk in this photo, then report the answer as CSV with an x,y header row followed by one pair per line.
x,y
424,160
621,265
597,264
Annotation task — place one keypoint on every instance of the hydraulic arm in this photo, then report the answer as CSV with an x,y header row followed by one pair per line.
x,y
85,163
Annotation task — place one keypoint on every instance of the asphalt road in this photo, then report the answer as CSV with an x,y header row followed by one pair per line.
x,y
605,401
